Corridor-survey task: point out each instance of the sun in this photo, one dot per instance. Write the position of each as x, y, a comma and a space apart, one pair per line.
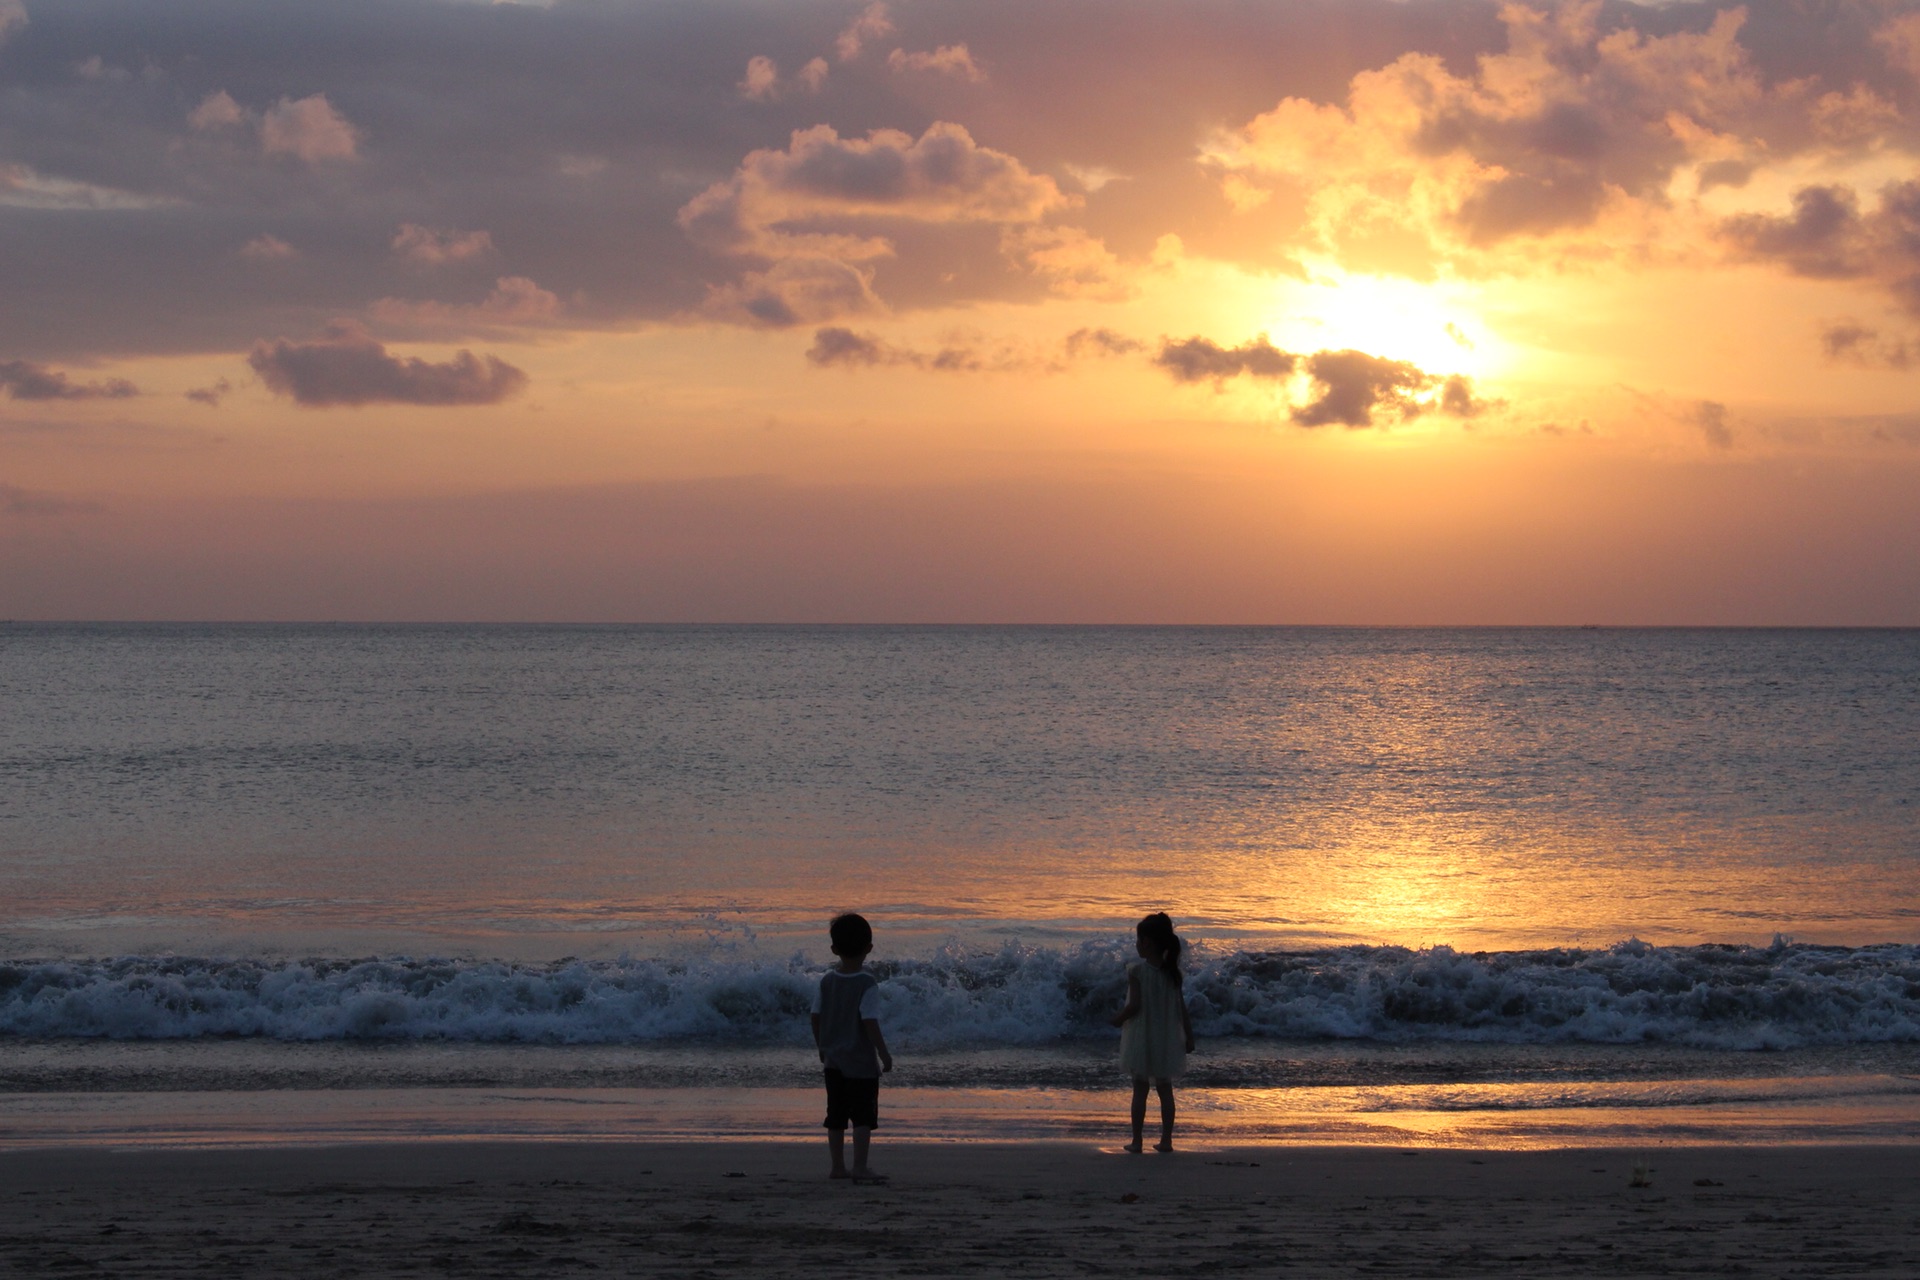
1433, 325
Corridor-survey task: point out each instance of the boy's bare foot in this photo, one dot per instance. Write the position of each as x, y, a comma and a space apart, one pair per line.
867, 1175
838, 1174
1133, 1147
1165, 1144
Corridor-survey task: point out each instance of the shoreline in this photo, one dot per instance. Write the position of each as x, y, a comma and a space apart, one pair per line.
1029, 1208
1879, 1111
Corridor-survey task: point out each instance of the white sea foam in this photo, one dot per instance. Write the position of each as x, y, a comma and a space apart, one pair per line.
1720, 997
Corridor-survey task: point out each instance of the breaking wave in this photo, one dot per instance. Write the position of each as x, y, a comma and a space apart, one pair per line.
1725, 997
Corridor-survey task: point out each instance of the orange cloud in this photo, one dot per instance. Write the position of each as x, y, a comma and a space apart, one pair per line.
310, 129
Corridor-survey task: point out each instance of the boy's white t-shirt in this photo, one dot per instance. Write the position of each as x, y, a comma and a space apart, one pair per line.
842, 1001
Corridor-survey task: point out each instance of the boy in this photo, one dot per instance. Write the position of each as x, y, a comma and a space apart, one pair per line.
851, 1047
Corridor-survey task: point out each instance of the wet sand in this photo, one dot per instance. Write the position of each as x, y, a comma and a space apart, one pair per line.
1039, 1209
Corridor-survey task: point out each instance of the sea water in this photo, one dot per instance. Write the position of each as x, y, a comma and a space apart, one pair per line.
1434, 855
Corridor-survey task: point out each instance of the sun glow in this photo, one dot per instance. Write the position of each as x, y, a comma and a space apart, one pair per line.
1435, 326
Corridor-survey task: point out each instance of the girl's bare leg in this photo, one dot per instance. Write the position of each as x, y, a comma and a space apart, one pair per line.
1165, 1089
1139, 1112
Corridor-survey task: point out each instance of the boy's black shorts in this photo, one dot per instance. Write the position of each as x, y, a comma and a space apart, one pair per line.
852, 1101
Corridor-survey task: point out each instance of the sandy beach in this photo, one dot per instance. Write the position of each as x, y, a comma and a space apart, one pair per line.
1039, 1209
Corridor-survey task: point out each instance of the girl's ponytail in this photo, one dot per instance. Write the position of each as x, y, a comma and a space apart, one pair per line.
1157, 931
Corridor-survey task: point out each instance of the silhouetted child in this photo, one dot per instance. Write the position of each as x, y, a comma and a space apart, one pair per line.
851, 1047
1155, 1033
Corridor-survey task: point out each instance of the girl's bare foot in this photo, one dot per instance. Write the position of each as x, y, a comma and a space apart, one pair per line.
1133, 1147
838, 1174
1165, 1144
867, 1175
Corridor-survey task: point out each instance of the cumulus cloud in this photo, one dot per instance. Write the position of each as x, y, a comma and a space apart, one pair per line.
268, 248
1820, 238
346, 366
309, 129
1345, 388
815, 210
1351, 386
434, 246
1457, 399
210, 395
1572, 127
1102, 342
514, 302
1073, 263
949, 60
25, 380
762, 81
1710, 416
1827, 236
844, 347
837, 347
585, 130
1850, 342
942, 176
217, 110
874, 23
1900, 40
1201, 359
793, 291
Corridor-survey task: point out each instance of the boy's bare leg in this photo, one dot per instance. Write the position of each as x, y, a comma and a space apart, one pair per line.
1165, 1089
1139, 1113
837, 1148
862, 1142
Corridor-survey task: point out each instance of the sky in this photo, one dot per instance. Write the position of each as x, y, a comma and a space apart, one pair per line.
1225, 311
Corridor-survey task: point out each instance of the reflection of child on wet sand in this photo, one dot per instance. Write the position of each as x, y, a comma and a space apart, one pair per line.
1155, 1033
851, 1047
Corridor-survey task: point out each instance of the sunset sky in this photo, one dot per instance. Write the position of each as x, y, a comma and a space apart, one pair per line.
1265, 311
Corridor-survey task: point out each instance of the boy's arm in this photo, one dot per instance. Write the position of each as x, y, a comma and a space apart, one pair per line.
872, 1027
1133, 1000
816, 1038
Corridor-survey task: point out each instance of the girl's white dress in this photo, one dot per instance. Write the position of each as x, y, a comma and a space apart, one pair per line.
1153, 1042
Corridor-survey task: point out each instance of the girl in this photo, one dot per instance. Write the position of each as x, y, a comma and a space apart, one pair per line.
1155, 1033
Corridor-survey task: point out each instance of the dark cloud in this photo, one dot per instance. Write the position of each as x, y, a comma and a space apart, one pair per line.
1821, 237
347, 367
1827, 236
1352, 385
834, 346
1200, 359
1102, 342
1348, 387
1850, 342
211, 395
1711, 417
843, 346
24, 380
1457, 399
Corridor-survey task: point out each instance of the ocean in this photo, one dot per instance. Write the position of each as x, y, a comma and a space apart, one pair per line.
1526, 883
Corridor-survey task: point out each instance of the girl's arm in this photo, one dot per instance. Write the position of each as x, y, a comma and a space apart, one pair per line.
1133, 1000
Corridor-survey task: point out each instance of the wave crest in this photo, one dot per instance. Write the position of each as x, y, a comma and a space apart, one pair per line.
1728, 997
